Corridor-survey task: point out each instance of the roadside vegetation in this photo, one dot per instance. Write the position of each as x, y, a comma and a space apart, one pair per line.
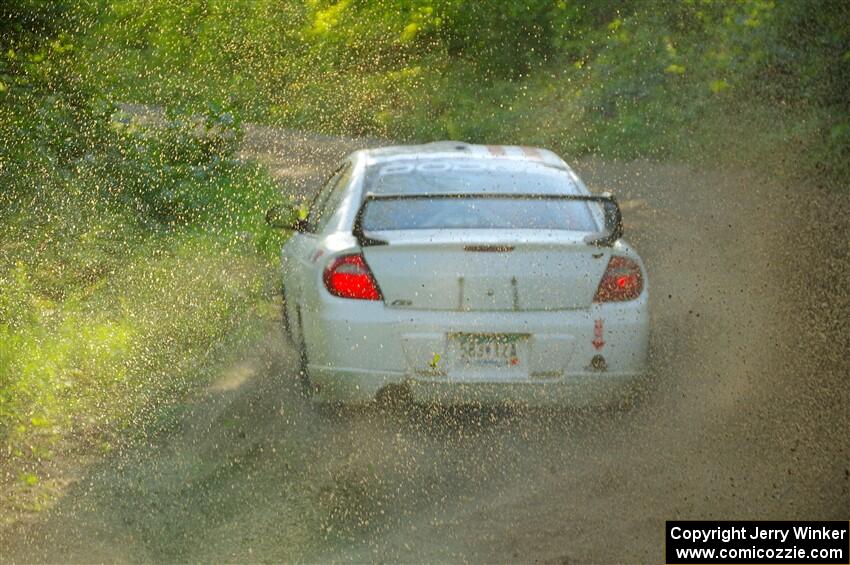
131, 255
762, 81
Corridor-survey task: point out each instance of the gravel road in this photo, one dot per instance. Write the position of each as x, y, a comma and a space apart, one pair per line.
745, 415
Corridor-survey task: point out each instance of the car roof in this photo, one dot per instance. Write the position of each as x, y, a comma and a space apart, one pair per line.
506, 154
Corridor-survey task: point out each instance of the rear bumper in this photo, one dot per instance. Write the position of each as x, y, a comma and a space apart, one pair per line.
358, 386
357, 348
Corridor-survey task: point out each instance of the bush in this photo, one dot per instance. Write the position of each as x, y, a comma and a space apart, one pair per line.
128, 251
624, 79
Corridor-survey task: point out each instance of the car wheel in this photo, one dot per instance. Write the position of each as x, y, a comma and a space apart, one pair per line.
307, 387
284, 317
298, 343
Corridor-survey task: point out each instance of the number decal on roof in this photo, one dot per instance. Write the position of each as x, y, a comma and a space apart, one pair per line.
455, 165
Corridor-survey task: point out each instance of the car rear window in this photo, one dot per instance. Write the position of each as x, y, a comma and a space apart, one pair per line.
478, 213
473, 176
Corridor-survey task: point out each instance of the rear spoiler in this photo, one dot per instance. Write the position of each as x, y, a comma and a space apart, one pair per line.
611, 210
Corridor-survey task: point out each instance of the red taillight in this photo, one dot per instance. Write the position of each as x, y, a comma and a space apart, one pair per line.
349, 277
623, 280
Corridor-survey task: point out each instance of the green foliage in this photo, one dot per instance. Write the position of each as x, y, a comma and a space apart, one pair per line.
623, 79
128, 250
91, 362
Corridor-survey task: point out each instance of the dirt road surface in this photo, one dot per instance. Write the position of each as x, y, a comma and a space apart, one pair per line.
745, 415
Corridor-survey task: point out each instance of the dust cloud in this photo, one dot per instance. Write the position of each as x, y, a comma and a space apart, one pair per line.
744, 414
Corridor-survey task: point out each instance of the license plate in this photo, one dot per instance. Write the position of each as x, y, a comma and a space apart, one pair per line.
503, 351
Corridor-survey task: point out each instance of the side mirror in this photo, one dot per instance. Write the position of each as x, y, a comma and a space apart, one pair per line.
285, 216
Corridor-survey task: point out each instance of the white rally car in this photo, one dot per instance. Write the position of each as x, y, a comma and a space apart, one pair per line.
457, 272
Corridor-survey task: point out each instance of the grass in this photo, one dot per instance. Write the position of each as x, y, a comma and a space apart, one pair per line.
112, 308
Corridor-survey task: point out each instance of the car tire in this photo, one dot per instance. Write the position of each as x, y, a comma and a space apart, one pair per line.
307, 387
284, 320
297, 342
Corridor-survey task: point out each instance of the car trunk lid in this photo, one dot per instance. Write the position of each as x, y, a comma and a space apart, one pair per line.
493, 271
